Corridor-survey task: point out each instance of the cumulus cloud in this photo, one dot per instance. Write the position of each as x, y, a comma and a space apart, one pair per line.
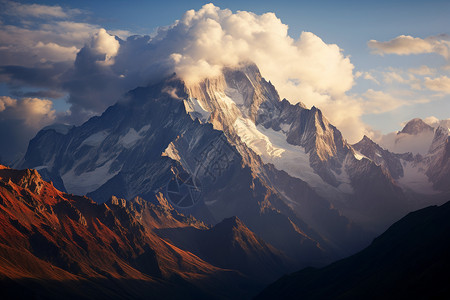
439, 84
406, 45
105, 45
211, 38
92, 83
20, 120
34, 112
435, 122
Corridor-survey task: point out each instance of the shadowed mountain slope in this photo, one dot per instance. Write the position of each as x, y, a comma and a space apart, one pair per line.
410, 260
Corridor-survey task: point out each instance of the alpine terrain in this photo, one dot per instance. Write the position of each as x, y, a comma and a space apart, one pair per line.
229, 147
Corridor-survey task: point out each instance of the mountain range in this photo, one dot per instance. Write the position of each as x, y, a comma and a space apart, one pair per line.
248, 154
54, 244
209, 184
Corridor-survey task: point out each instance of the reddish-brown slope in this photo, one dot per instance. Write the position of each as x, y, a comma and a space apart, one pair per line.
54, 237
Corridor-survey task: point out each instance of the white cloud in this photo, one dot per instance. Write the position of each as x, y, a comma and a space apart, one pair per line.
406, 45
36, 10
392, 76
202, 42
34, 112
439, 84
435, 122
104, 44
370, 77
422, 70
395, 76
432, 121
20, 120
56, 41
206, 40
377, 102
55, 52
6, 102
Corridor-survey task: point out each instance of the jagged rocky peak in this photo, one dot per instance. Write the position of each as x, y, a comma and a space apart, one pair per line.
31, 180
389, 161
118, 201
27, 179
367, 140
237, 91
416, 126
232, 222
365, 145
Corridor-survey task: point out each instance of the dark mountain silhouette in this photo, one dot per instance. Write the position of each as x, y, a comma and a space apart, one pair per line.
411, 260
231, 245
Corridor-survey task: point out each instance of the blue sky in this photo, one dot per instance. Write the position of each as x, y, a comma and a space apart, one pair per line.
392, 83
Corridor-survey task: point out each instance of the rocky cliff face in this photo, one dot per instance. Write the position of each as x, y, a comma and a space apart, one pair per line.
438, 159
390, 162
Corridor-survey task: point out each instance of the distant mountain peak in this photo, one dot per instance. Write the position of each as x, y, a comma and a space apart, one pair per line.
416, 126
367, 140
232, 222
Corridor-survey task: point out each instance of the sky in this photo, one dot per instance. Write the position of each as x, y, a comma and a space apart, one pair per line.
369, 65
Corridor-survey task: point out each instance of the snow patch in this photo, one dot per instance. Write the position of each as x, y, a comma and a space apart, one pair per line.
273, 148
359, 155
225, 99
195, 109
234, 94
40, 168
131, 137
96, 139
88, 181
344, 178
256, 140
